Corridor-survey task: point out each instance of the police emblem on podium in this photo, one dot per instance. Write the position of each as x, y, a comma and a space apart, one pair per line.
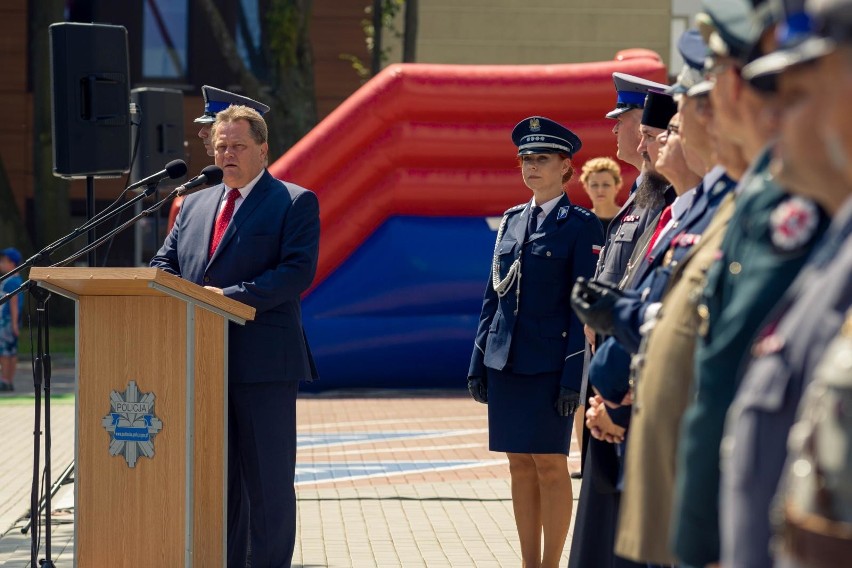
132, 424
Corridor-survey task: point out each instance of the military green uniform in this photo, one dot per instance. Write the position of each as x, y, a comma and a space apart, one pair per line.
768, 239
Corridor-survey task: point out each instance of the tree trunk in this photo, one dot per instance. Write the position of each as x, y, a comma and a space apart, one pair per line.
287, 52
409, 38
51, 203
13, 232
292, 61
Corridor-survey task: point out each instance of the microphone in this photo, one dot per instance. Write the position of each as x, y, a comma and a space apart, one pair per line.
211, 175
173, 170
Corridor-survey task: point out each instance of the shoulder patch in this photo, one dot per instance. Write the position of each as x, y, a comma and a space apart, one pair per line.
582, 213
515, 209
793, 224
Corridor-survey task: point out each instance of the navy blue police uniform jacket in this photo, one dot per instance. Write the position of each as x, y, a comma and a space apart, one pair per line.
536, 331
266, 259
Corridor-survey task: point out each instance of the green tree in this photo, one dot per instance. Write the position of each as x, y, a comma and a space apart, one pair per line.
285, 53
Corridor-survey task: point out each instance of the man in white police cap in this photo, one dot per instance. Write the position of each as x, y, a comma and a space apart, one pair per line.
594, 533
215, 101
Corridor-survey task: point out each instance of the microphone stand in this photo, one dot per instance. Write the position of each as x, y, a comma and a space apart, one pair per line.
42, 364
42, 257
144, 213
41, 376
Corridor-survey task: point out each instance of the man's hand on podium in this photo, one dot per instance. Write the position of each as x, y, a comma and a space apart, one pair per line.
213, 289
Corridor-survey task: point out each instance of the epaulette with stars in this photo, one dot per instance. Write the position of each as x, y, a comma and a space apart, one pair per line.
582, 213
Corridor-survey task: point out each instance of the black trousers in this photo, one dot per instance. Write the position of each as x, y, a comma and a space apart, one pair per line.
261, 472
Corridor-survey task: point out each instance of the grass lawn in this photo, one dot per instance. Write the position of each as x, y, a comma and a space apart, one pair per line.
19, 399
61, 340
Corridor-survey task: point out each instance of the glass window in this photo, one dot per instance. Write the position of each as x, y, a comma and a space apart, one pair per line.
164, 39
248, 36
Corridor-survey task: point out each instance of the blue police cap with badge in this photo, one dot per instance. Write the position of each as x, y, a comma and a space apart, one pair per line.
631, 91
540, 135
217, 100
800, 39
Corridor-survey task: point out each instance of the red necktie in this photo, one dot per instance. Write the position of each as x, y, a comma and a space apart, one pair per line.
664, 220
223, 219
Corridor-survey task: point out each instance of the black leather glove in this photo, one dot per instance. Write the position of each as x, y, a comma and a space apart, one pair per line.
478, 389
593, 303
567, 401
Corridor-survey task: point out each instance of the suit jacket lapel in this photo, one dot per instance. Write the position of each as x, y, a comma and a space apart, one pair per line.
721, 218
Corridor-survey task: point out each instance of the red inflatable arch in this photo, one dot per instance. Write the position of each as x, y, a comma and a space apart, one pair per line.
433, 140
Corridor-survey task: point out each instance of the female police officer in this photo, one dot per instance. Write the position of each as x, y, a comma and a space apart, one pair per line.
528, 358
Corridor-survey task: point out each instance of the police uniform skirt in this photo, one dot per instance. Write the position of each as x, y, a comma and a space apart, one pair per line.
522, 417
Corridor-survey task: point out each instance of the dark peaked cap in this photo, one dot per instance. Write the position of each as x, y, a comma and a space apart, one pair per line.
659, 109
540, 135
693, 50
217, 100
729, 28
631, 92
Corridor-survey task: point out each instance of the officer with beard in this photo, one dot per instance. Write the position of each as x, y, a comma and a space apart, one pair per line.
597, 511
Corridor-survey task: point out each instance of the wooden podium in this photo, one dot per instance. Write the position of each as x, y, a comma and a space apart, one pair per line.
151, 416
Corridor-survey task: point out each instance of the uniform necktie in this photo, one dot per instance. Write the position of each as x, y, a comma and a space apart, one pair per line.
223, 219
664, 220
532, 222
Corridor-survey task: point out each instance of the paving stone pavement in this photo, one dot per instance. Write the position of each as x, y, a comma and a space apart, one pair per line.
384, 479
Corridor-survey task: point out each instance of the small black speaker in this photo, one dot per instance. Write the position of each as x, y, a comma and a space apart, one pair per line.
91, 100
160, 130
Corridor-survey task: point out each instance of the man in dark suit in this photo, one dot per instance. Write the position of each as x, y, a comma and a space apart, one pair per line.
254, 239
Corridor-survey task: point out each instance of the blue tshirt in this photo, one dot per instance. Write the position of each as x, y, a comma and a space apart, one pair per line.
10, 284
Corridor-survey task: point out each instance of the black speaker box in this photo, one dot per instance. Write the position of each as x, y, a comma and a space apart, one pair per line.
91, 100
160, 130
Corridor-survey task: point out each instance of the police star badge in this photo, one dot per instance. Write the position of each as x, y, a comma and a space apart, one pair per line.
132, 424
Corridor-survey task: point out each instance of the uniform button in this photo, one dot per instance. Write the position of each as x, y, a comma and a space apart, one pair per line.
564, 334
735, 267
207, 279
548, 253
